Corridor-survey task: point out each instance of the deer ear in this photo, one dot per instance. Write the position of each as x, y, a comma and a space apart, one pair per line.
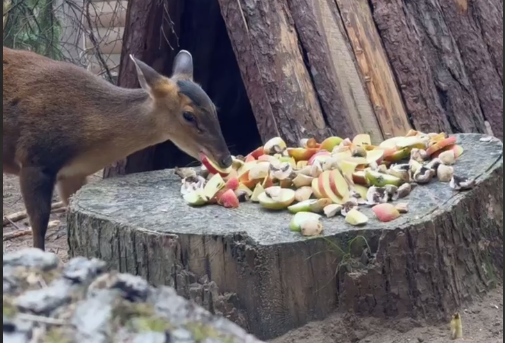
147, 76
183, 64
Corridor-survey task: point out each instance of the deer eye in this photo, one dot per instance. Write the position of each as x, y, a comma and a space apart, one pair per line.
189, 117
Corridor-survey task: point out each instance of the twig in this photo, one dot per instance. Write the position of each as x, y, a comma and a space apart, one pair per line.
41, 319
26, 232
56, 207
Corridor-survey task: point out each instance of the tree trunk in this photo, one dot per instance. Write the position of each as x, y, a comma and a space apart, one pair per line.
248, 266
443, 86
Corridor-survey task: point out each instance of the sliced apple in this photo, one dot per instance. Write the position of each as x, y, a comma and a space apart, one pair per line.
348, 168
214, 168
257, 152
326, 189
303, 220
249, 158
311, 143
330, 143
391, 142
362, 140
310, 205
215, 183
458, 150
257, 191
267, 182
228, 199
381, 180
375, 156
302, 180
441, 144
356, 218
301, 154
385, 212
303, 193
242, 187
338, 184
232, 183
259, 171
196, 198
282, 200
321, 156
267, 158
315, 189
301, 164
397, 155
361, 190
245, 168
332, 210
359, 178
411, 142
287, 159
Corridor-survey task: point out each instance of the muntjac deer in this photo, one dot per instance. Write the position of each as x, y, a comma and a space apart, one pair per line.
61, 124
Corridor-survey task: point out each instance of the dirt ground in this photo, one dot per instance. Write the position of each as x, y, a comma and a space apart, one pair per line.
482, 322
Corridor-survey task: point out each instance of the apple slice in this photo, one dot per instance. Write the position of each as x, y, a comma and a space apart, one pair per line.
315, 189
362, 140
375, 156
259, 171
308, 223
228, 199
257, 191
282, 200
348, 168
321, 156
214, 168
391, 142
249, 158
215, 183
330, 143
338, 184
245, 168
359, 178
458, 150
441, 144
411, 142
232, 184
355, 217
310, 205
361, 190
325, 186
301, 154
196, 198
385, 212
381, 180
301, 164
397, 155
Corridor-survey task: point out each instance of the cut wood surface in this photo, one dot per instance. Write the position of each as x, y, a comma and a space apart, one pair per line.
340, 89
430, 69
267, 43
374, 65
248, 266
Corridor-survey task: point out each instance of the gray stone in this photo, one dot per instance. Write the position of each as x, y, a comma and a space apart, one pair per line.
31, 258
80, 269
45, 300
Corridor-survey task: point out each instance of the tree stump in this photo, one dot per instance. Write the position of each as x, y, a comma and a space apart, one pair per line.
247, 265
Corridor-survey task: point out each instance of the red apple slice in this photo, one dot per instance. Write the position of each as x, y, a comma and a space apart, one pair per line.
325, 187
301, 154
458, 150
362, 139
338, 184
214, 168
321, 156
359, 178
441, 144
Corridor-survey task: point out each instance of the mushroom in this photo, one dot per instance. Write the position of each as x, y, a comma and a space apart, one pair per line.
423, 175
445, 173
348, 206
459, 183
400, 171
376, 195
281, 172
403, 191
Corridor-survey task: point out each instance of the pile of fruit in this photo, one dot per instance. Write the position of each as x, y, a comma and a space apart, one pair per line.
334, 177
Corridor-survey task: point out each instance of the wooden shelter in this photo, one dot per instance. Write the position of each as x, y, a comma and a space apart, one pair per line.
299, 68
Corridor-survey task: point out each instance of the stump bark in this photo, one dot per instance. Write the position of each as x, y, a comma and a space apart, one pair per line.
247, 265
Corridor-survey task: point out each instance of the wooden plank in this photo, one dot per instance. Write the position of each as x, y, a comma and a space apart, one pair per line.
276, 56
425, 58
336, 78
374, 67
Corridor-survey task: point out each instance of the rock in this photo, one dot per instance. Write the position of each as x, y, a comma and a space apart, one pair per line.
31, 258
83, 304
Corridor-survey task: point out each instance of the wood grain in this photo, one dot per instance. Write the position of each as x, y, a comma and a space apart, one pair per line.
374, 67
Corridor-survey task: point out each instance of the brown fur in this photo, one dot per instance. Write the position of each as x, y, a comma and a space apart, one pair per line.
62, 123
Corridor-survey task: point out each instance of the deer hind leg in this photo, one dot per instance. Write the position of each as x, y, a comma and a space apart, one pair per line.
37, 185
68, 185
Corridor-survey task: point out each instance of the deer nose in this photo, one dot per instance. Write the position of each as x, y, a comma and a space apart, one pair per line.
226, 161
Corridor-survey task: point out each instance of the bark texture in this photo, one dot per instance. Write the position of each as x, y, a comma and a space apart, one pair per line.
248, 266
447, 58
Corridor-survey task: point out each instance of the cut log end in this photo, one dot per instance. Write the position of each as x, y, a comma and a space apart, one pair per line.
246, 264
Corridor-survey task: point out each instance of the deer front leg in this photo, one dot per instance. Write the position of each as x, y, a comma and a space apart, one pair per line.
37, 185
